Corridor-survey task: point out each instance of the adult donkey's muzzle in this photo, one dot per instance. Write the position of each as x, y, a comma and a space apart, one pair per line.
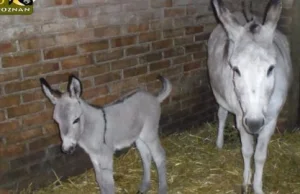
69, 150
254, 125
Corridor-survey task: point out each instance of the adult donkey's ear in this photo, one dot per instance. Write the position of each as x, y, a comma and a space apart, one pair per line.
228, 20
74, 86
53, 95
272, 15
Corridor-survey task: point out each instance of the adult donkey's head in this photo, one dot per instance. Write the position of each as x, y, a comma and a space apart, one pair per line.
67, 111
250, 52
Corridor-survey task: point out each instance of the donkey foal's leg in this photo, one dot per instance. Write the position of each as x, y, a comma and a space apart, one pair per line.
159, 157
146, 159
261, 155
104, 174
222, 116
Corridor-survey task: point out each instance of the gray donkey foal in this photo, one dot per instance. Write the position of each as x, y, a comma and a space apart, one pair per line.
100, 131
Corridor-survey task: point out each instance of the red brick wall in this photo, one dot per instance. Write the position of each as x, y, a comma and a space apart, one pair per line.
113, 46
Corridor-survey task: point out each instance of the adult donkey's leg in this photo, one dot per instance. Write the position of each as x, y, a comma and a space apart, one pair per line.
261, 154
247, 151
222, 116
103, 166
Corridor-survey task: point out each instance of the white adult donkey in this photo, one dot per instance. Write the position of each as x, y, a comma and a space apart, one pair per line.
250, 73
102, 130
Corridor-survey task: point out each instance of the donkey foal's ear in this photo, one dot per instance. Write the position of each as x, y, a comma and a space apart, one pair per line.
48, 91
74, 86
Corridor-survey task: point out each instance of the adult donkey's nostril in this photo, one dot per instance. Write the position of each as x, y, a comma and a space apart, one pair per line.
70, 150
254, 125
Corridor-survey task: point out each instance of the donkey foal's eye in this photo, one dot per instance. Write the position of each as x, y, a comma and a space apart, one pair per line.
76, 120
270, 70
236, 70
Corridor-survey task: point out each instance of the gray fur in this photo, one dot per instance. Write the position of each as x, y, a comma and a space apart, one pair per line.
240, 60
100, 131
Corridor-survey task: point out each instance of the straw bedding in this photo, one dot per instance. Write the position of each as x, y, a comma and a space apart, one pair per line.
194, 165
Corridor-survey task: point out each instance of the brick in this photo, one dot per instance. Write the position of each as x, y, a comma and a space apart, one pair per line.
166, 23
24, 135
37, 119
194, 48
174, 12
9, 126
183, 21
161, 3
59, 52
77, 12
173, 33
182, 59
183, 40
162, 44
60, 77
2, 116
74, 37
149, 36
32, 96
134, 28
7, 47
124, 86
148, 77
21, 59
25, 109
172, 71
109, 55
202, 37
135, 71
12, 150
63, 2
136, 6
108, 31
76, 62
199, 55
40, 15
59, 26
123, 41
193, 30
192, 66
27, 159
135, 50
37, 43
93, 46
40, 69
150, 57
106, 9
10, 75
4, 167
21, 85
159, 65
51, 129
173, 52
94, 92
42, 143
87, 83
8, 101
121, 64
108, 77
95, 70
105, 99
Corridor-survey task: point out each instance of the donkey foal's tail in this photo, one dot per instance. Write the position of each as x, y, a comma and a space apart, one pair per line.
166, 90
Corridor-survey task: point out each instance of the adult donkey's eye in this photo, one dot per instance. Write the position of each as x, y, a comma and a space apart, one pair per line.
76, 120
236, 70
270, 70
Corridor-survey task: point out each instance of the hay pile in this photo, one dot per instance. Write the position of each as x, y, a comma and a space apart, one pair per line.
195, 166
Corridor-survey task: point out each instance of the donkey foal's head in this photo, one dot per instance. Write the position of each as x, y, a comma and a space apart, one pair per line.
67, 112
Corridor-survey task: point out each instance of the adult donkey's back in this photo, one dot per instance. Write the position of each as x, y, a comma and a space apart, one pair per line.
250, 73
